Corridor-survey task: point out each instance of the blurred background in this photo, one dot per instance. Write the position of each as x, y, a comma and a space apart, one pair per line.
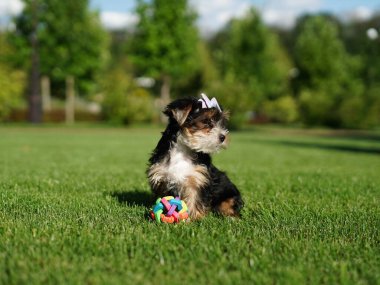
297, 62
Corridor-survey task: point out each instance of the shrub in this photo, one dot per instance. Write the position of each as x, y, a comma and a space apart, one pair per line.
372, 115
132, 106
139, 107
316, 108
123, 102
281, 110
12, 86
351, 112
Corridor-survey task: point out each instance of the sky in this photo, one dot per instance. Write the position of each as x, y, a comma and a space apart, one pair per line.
214, 14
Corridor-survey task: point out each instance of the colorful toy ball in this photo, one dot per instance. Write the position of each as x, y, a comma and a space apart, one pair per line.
169, 210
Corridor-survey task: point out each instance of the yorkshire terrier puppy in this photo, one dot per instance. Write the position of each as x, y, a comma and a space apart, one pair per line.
181, 165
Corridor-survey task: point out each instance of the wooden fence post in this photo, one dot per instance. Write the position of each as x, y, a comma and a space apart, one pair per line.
46, 96
70, 100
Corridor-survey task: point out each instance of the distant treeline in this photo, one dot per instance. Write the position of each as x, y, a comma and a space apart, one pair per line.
322, 72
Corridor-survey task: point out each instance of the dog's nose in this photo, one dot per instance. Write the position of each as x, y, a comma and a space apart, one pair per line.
222, 138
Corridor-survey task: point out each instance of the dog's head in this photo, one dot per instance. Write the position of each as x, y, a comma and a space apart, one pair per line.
202, 129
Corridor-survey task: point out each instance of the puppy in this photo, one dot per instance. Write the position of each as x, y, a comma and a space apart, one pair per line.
181, 164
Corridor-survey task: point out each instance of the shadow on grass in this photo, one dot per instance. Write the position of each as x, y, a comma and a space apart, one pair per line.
337, 147
356, 136
133, 198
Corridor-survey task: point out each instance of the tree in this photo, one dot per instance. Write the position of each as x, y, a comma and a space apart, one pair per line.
252, 64
165, 42
27, 42
362, 40
64, 38
327, 73
359, 41
73, 43
252, 55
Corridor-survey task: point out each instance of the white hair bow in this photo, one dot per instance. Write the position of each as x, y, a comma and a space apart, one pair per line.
207, 103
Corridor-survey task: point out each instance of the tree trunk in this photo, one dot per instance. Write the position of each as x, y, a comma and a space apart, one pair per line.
70, 100
34, 96
165, 94
46, 96
165, 89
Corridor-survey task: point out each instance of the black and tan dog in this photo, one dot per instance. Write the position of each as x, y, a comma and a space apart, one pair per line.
181, 165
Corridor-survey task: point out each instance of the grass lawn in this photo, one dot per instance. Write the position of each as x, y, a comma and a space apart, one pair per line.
73, 210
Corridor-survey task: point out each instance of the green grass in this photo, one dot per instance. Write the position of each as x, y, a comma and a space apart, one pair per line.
73, 210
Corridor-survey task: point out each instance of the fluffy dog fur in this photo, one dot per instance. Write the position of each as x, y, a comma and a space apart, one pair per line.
181, 165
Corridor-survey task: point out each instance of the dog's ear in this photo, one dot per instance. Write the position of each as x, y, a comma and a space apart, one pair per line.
179, 110
226, 115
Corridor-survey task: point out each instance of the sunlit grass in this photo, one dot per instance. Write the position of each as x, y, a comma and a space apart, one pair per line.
74, 203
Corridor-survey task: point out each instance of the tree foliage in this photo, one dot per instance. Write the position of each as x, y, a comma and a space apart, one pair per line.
324, 71
327, 73
12, 81
71, 40
165, 42
252, 65
362, 45
251, 54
